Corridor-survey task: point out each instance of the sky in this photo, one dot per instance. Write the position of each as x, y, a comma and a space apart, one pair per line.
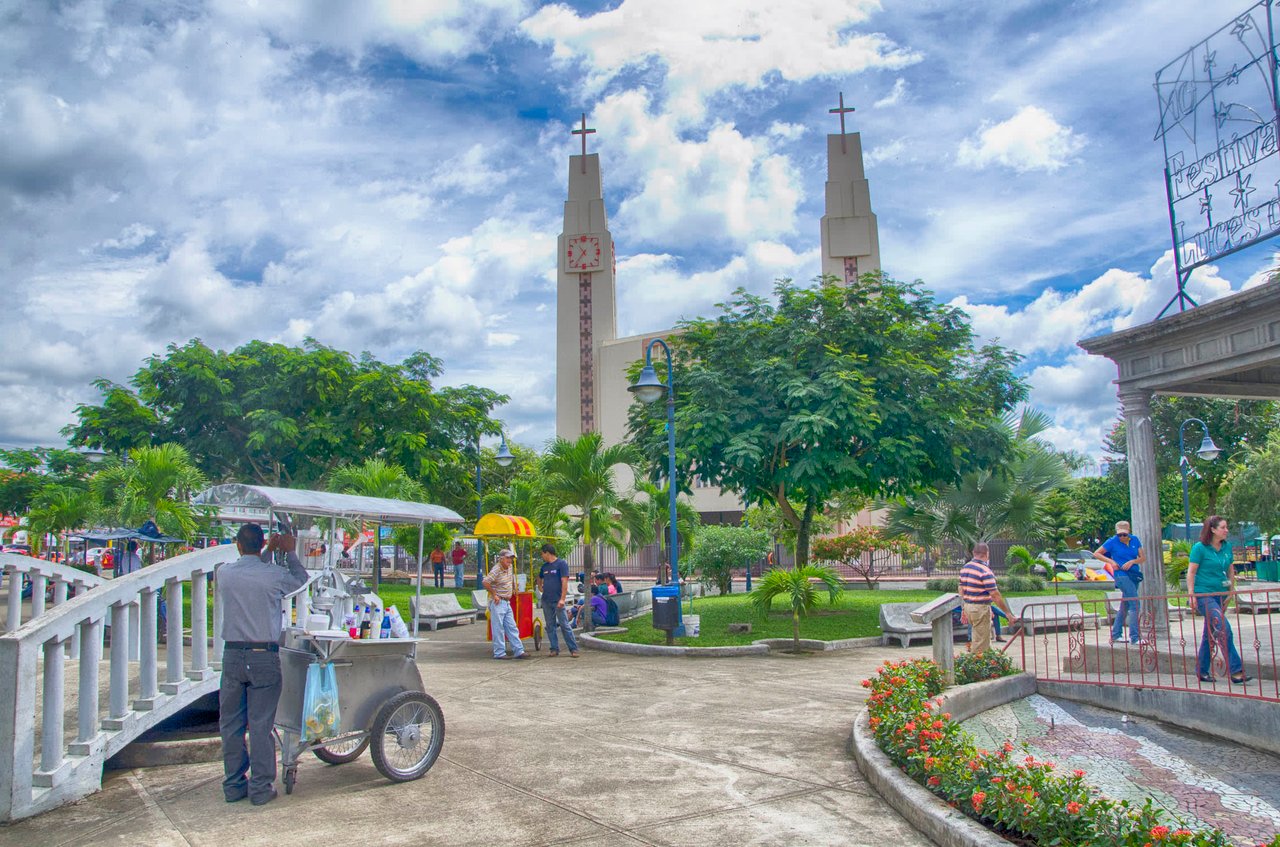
388, 175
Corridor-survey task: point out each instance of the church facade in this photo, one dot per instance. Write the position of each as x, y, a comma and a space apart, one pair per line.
591, 360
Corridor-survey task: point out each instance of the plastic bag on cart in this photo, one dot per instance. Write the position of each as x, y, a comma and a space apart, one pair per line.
399, 629
320, 715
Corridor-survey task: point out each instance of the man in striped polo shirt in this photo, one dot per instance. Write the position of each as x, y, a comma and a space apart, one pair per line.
977, 594
500, 583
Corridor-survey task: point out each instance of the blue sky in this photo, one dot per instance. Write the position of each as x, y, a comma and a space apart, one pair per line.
389, 176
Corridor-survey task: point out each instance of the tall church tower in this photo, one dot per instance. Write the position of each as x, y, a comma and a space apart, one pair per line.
850, 239
586, 314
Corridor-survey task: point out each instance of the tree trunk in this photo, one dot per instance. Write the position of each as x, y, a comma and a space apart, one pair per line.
802, 535
795, 630
588, 568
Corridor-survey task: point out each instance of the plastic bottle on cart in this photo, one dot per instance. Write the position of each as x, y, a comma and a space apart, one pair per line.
385, 630
365, 623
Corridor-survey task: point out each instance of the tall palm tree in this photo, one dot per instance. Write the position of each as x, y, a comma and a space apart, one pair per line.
797, 586
61, 509
156, 483
376, 478
687, 518
578, 479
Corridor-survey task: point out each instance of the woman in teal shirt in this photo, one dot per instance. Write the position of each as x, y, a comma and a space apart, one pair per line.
1210, 576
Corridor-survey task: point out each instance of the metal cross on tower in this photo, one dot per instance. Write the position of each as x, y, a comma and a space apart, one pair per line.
584, 132
841, 111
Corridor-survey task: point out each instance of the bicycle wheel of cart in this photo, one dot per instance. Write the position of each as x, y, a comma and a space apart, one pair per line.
407, 735
341, 752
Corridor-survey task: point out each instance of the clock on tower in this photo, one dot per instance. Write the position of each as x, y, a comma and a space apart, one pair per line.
582, 253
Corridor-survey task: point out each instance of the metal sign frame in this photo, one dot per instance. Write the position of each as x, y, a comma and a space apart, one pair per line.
1219, 115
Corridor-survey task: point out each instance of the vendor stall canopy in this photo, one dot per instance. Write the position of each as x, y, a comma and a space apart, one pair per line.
504, 526
296, 501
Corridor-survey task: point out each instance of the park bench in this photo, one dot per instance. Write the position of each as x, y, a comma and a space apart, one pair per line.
436, 609
1262, 599
1045, 613
896, 622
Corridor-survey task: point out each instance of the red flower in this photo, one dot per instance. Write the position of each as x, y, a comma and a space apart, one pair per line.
1159, 833
934, 781
1073, 807
978, 798
1078, 774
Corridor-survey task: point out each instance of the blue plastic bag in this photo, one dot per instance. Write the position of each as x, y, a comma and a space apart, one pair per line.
321, 717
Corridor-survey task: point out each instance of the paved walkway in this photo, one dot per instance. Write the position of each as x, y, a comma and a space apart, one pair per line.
1205, 781
601, 750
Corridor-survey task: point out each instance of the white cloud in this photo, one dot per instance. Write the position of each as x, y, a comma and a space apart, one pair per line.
895, 95
885, 152
1031, 140
705, 48
501, 339
786, 131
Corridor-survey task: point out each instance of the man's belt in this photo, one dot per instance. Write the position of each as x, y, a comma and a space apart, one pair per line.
269, 646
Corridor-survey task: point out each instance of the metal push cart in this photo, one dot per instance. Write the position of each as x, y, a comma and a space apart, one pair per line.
381, 699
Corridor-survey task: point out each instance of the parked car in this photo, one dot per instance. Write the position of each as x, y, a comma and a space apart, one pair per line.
93, 556
20, 549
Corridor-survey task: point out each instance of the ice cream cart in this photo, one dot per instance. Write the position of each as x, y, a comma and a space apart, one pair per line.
524, 539
381, 701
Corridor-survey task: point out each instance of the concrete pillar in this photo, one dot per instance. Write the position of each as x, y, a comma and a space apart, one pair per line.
1144, 500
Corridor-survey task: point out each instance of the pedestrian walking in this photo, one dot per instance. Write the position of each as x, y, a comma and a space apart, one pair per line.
978, 593
1124, 556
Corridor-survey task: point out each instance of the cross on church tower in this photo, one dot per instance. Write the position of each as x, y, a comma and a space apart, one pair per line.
841, 111
584, 132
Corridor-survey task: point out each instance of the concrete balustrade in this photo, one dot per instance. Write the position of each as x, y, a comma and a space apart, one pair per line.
36, 665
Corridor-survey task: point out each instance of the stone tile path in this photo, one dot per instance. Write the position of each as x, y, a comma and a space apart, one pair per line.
1201, 780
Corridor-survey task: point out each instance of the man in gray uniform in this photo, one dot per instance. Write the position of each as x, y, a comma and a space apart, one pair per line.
250, 591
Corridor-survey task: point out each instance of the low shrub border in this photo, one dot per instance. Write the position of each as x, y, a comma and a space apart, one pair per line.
1015, 795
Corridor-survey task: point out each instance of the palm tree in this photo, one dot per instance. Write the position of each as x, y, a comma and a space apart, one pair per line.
156, 483
578, 479
376, 478
687, 518
61, 509
798, 587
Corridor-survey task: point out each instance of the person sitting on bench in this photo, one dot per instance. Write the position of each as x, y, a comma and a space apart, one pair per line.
598, 609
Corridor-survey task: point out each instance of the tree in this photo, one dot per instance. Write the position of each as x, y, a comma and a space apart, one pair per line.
156, 484
376, 478
1001, 501
688, 521
26, 473
873, 389
856, 550
1233, 425
797, 586
59, 510
1058, 520
721, 550
1101, 501
1253, 486
280, 415
579, 484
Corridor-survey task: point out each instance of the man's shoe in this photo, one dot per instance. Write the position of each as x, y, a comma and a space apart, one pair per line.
265, 799
553, 653
999, 639
236, 798
573, 654
524, 656
501, 658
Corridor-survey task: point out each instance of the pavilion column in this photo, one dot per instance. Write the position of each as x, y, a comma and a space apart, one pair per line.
1144, 499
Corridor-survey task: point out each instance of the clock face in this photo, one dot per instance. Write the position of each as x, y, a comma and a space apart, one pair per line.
582, 253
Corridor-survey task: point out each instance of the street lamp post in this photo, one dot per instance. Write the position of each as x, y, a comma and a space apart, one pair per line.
503, 458
648, 389
1207, 451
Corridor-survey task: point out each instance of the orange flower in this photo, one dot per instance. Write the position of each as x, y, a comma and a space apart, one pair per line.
1073, 807
978, 798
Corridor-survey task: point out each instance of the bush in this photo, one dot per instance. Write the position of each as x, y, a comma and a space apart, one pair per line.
943, 586
1019, 561
1011, 794
1008, 584
976, 667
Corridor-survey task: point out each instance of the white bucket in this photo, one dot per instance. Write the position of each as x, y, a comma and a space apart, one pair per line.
522, 579
692, 625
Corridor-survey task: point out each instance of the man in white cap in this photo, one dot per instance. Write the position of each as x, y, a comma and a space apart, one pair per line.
500, 583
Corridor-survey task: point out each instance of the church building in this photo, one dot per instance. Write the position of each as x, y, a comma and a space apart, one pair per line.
591, 360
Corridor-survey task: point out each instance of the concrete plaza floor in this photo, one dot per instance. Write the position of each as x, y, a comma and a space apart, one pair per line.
602, 750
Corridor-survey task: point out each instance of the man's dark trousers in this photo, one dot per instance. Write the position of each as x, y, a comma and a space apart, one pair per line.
247, 700
437, 574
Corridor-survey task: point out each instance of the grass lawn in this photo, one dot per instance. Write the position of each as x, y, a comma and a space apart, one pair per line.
856, 614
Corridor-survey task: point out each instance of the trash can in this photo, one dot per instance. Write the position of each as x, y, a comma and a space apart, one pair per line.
666, 608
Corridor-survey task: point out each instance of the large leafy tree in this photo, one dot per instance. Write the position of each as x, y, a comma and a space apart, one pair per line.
60, 509
1233, 425
1005, 500
281, 415
579, 484
874, 389
1254, 486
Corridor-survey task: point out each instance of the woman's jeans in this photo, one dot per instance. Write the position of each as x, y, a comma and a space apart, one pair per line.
1128, 608
1215, 621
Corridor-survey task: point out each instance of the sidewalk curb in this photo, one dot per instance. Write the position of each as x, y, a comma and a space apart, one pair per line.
756, 648
923, 809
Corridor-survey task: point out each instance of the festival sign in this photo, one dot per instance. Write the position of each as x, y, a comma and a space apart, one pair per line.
1218, 116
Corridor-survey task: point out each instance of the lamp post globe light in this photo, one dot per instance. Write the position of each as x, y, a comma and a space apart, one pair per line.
1207, 451
648, 389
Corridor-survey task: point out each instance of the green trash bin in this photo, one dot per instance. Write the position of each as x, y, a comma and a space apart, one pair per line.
1269, 571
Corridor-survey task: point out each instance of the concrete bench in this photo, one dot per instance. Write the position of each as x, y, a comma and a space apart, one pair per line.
1258, 597
896, 622
436, 609
1046, 613
1175, 612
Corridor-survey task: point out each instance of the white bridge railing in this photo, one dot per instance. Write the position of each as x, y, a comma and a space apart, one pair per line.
51, 753
39, 575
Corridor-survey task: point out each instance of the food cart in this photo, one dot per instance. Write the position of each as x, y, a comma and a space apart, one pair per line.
524, 539
383, 704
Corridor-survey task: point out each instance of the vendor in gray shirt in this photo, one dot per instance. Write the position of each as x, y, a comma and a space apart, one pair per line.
250, 592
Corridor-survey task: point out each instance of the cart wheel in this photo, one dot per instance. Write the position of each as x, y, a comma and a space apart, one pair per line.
290, 777
407, 735
341, 752
537, 635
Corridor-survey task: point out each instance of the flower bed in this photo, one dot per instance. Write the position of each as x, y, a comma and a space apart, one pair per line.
976, 667
1018, 796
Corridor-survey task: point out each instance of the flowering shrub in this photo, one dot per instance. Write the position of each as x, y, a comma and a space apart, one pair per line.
1007, 790
976, 667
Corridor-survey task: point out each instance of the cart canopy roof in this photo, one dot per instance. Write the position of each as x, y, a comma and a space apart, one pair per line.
325, 504
502, 526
